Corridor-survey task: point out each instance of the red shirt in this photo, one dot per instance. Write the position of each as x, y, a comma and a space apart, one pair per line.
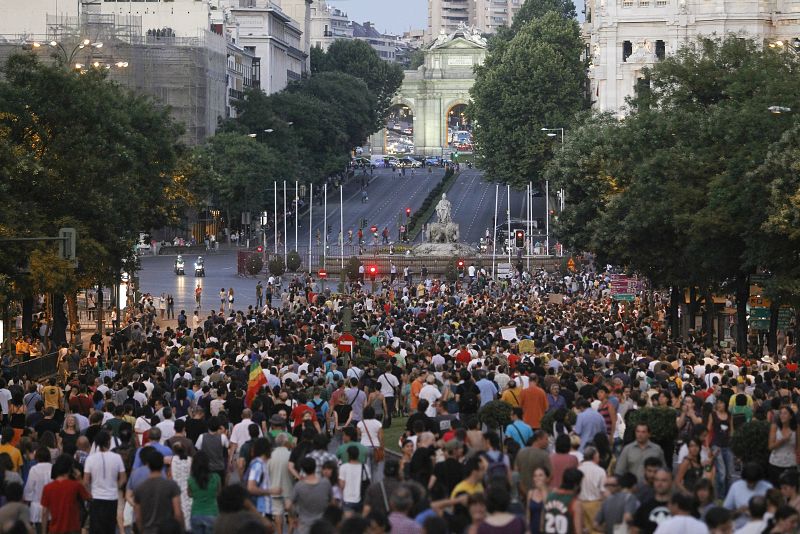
81, 404
297, 414
513, 360
464, 356
60, 497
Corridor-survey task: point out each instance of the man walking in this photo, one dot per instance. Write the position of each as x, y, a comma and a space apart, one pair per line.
632, 458
533, 402
157, 500
198, 295
259, 295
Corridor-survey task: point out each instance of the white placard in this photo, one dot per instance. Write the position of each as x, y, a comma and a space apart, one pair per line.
509, 333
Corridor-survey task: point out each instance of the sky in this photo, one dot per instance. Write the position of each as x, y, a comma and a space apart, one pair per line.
390, 16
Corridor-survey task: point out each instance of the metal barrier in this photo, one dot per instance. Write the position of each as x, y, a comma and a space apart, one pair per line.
35, 368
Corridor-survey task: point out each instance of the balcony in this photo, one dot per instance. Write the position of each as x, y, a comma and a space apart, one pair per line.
235, 94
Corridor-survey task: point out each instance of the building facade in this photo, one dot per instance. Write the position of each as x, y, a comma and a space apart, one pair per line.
625, 36
328, 24
486, 15
433, 90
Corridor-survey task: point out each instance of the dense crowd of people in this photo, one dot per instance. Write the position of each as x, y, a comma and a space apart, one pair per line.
251, 419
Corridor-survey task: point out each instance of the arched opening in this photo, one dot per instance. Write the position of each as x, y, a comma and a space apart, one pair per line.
459, 129
399, 130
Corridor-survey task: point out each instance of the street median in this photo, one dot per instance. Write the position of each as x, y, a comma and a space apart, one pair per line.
425, 211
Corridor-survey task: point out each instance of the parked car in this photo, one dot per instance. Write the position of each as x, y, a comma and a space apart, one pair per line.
433, 160
408, 161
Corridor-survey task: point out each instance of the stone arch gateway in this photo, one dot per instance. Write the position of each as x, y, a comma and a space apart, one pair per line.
439, 85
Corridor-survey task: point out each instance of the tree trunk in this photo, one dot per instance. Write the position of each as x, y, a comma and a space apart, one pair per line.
59, 335
692, 308
742, 296
674, 302
710, 312
772, 335
27, 316
74, 320
100, 307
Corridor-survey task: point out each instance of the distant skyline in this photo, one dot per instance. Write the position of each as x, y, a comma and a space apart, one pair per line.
388, 16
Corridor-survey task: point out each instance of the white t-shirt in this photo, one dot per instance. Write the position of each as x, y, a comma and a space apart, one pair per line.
388, 381
5, 396
374, 426
104, 467
167, 428
682, 524
240, 433
351, 475
431, 394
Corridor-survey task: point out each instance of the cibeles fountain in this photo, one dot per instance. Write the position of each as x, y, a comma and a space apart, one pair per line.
442, 236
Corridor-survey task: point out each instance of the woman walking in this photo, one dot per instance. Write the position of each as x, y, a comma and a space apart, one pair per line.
720, 428
783, 444
203, 488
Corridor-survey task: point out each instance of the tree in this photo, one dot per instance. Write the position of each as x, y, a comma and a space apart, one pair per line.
357, 58
534, 9
416, 59
536, 80
686, 165
90, 154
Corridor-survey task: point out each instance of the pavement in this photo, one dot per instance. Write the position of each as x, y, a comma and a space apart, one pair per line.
390, 194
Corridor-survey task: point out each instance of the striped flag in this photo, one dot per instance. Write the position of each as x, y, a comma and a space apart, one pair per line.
255, 380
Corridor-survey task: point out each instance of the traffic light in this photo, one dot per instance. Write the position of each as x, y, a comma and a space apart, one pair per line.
259, 249
372, 270
408, 212
519, 238
460, 265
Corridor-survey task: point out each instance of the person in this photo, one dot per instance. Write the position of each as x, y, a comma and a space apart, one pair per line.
38, 477
259, 295
741, 491
533, 402
588, 423
720, 428
536, 498
499, 519
783, 444
681, 521
198, 295
757, 508
157, 500
655, 510
60, 515
517, 429
371, 432
620, 504
203, 487
531, 457
562, 511
593, 489
105, 474
784, 521
257, 478
561, 460
15, 513
400, 502
351, 474
692, 468
310, 497
633, 455
475, 469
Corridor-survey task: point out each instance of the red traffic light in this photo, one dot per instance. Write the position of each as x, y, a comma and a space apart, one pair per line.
460, 264
373, 228
373, 270
259, 249
520, 234
408, 212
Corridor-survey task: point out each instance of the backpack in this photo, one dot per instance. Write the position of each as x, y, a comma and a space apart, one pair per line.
259, 480
497, 468
469, 401
318, 410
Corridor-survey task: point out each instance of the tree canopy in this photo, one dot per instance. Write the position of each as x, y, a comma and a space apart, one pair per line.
536, 79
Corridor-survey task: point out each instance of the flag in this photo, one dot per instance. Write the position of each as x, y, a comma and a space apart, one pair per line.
255, 380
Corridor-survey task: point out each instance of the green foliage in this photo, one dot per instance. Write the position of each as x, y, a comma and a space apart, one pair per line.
534, 9
660, 420
276, 266
495, 414
293, 261
451, 273
549, 419
535, 80
253, 264
700, 163
750, 442
357, 58
78, 150
417, 59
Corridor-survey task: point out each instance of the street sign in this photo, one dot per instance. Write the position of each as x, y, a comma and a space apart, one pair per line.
757, 301
346, 342
322, 273
760, 313
759, 324
785, 314
624, 287
628, 297
571, 265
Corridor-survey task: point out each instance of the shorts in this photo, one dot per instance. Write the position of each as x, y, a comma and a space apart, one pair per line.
278, 509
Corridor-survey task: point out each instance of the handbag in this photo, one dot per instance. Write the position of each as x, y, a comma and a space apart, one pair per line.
365, 483
377, 452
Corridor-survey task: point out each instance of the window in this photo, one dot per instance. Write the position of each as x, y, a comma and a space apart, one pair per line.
627, 3
627, 50
661, 49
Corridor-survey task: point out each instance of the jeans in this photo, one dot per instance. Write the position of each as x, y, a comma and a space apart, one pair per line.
723, 462
387, 417
202, 524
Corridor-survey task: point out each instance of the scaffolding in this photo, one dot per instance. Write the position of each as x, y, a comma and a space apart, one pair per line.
187, 75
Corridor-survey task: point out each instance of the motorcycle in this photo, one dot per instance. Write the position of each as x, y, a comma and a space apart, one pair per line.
199, 267
179, 268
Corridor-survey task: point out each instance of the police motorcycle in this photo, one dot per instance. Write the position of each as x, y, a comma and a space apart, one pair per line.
179, 267
199, 267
